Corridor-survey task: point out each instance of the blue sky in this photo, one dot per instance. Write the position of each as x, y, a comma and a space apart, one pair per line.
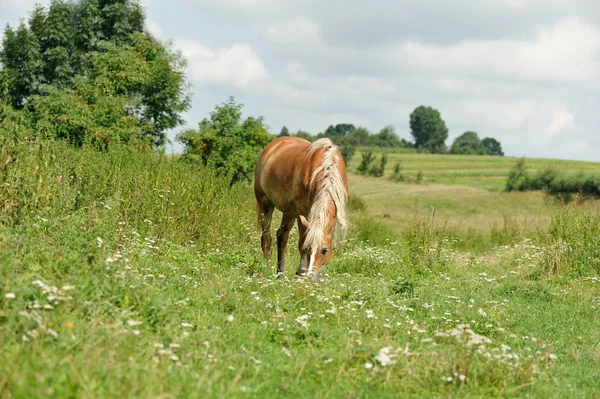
526, 72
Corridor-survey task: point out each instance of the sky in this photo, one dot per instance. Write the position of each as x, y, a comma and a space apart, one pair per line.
526, 72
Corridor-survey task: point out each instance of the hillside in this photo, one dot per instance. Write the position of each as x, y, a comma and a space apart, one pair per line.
489, 172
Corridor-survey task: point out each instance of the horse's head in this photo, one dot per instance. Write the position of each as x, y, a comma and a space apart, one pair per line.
318, 249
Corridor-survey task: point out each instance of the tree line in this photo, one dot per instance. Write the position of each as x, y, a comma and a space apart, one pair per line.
427, 128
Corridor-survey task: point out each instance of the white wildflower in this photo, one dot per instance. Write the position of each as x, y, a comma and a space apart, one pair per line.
10, 295
303, 320
384, 357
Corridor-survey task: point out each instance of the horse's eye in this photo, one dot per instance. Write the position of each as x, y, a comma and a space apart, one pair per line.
324, 251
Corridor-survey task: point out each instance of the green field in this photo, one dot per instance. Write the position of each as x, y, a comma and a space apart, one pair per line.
136, 276
489, 172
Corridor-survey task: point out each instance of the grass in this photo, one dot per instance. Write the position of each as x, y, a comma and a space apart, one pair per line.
488, 172
108, 296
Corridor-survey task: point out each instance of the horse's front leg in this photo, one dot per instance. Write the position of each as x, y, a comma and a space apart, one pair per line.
283, 234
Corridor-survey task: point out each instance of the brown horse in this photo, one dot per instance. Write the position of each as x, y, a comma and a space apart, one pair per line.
301, 179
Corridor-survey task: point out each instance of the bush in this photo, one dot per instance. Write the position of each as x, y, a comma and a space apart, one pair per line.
553, 182
516, 176
365, 162
226, 143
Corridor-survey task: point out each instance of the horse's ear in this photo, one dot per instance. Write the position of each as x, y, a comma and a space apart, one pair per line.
304, 222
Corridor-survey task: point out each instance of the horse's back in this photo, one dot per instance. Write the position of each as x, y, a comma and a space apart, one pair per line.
276, 170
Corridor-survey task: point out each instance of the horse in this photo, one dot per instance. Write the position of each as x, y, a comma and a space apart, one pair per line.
307, 182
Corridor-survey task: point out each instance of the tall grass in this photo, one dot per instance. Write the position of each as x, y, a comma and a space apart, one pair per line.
573, 244
157, 196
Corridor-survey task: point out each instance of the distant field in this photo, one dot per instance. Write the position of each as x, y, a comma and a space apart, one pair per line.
486, 172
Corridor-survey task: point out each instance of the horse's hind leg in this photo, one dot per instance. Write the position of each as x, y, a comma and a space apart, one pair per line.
265, 213
287, 222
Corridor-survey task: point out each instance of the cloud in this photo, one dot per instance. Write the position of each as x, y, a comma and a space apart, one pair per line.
560, 119
237, 66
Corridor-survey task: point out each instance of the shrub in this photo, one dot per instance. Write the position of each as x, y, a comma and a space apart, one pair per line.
365, 163
226, 143
516, 176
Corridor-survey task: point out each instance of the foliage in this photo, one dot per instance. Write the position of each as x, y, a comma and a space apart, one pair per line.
379, 170
347, 151
337, 131
284, 132
397, 175
367, 159
358, 136
104, 44
492, 146
420, 177
428, 129
467, 143
305, 135
516, 176
227, 143
386, 137
86, 115
553, 182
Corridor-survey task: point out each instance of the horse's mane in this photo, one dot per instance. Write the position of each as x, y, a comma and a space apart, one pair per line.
331, 189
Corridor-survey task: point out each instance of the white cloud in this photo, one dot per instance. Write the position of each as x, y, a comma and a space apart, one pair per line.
560, 119
237, 66
567, 51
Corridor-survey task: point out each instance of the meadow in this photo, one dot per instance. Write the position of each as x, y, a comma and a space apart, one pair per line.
488, 172
135, 275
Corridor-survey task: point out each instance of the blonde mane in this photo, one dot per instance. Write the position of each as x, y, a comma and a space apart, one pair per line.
331, 189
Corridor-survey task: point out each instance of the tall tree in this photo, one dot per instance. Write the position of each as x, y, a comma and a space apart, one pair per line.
65, 40
492, 146
428, 129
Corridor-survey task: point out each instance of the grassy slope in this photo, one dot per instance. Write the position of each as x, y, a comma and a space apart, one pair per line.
134, 315
480, 171
457, 206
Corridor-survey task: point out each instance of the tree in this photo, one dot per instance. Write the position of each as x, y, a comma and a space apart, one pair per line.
284, 132
386, 137
428, 129
358, 136
467, 143
305, 135
101, 41
492, 146
227, 143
